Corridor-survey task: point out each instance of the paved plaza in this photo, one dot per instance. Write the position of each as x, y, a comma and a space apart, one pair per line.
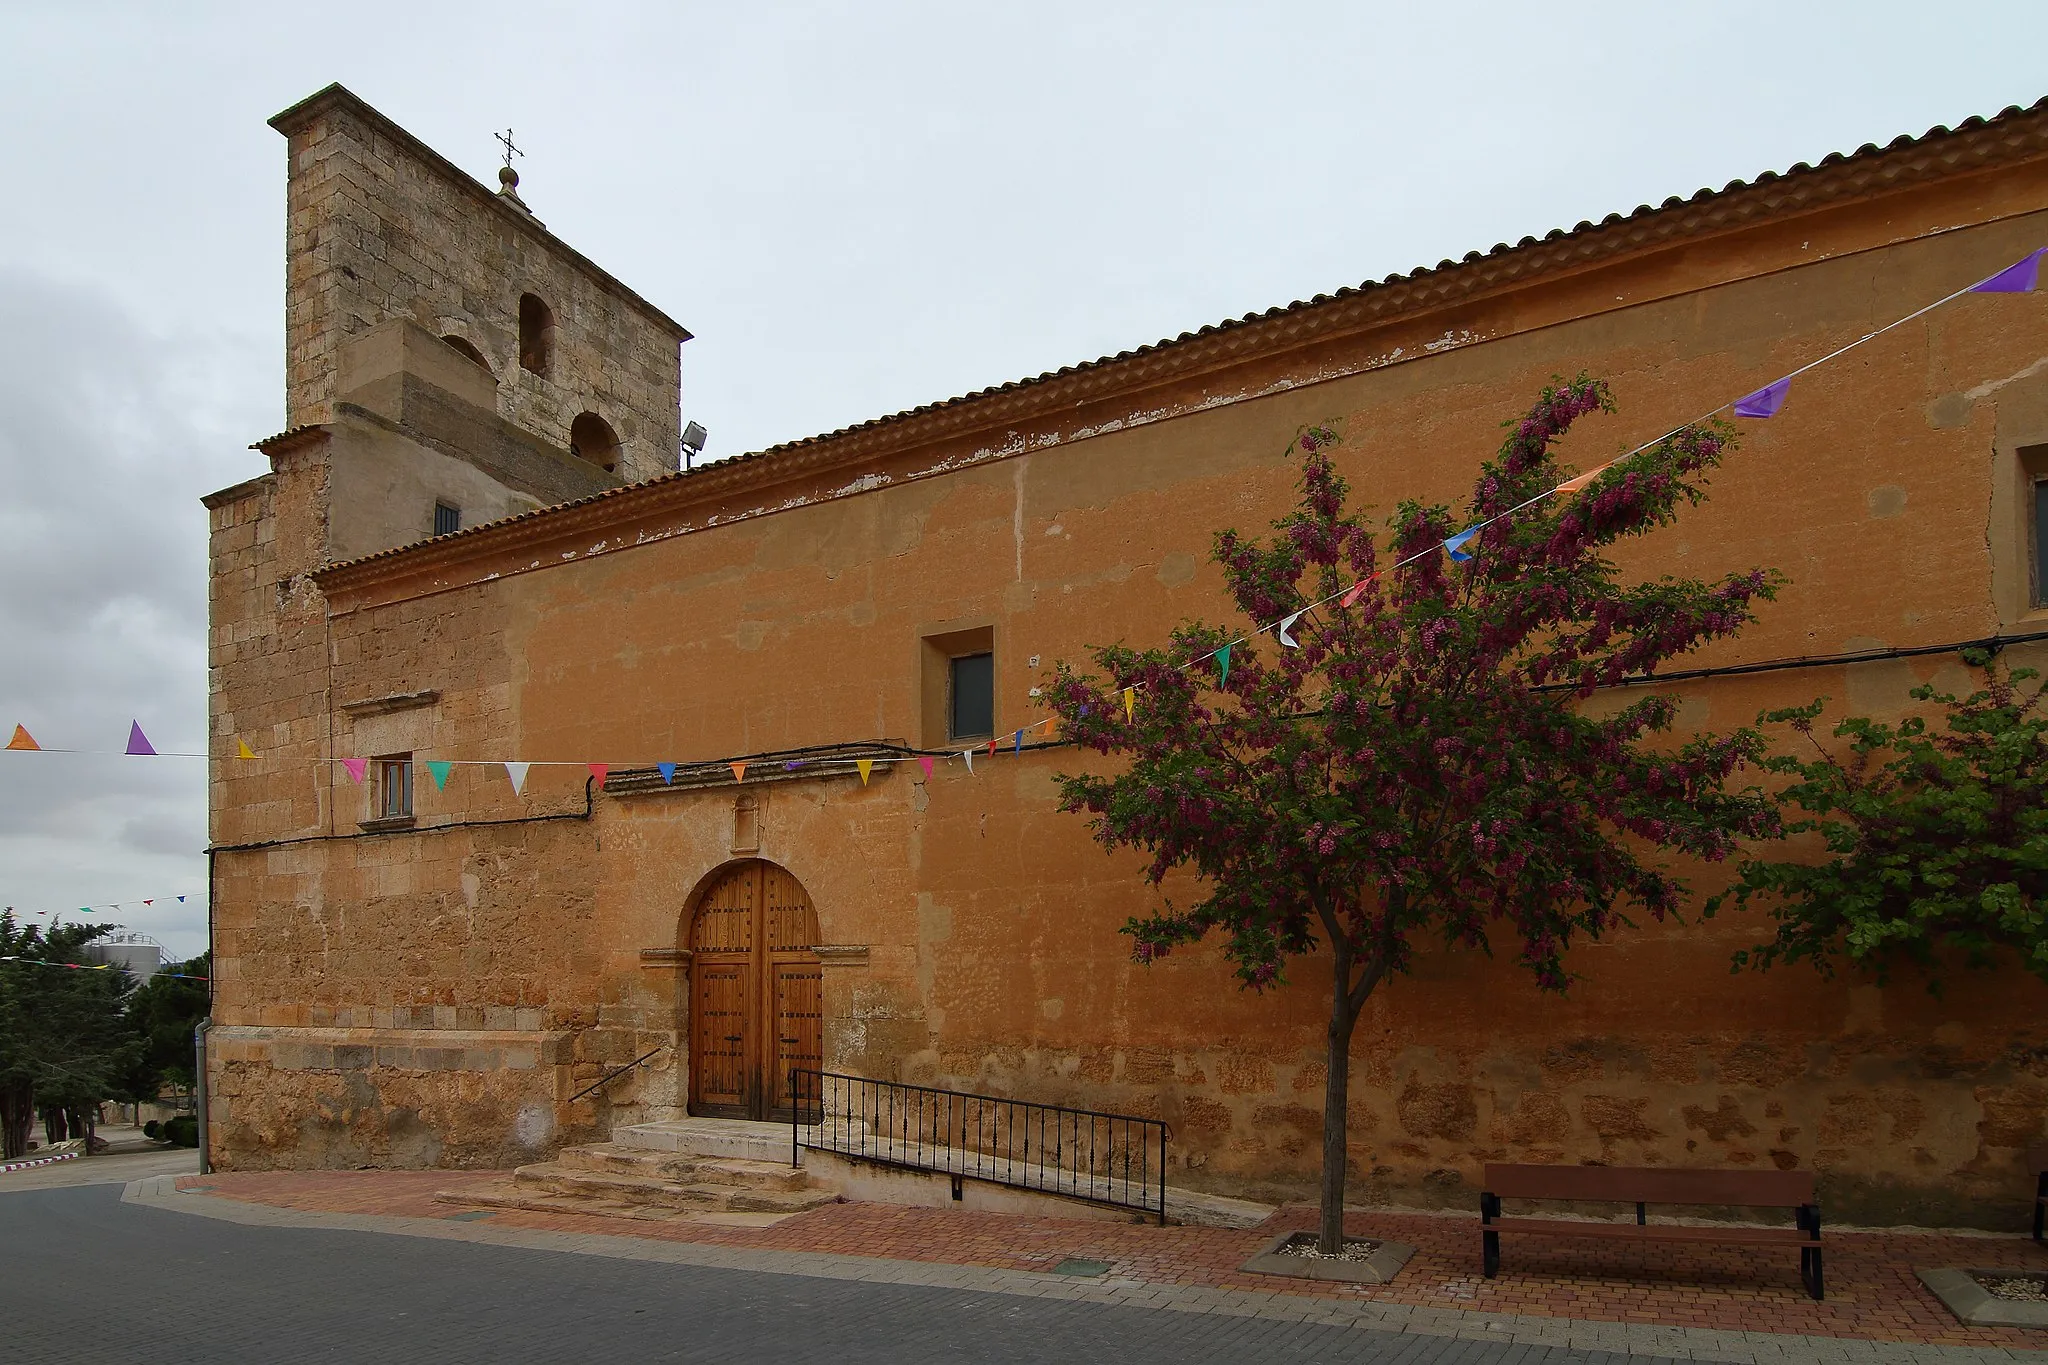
371, 1266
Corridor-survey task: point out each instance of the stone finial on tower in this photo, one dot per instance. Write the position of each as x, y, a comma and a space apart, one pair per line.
508, 179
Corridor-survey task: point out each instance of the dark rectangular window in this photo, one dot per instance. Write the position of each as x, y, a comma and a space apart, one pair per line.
2041, 542
971, 701
394, 787
447, 520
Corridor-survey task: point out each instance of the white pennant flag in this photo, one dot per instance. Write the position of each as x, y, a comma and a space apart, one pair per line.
1288, 625
968, 754
517, 772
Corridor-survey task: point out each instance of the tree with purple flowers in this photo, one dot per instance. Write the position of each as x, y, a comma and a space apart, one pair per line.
1418, 766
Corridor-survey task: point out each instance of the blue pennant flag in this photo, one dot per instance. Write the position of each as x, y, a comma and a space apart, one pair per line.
1456, 544
668, 771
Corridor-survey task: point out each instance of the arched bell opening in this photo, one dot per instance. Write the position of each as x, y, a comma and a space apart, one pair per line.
756, 1008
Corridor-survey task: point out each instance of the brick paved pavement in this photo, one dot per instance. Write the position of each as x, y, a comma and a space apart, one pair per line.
1710, 1306
123, 1280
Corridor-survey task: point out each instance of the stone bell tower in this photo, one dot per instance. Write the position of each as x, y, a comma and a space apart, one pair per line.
462, 362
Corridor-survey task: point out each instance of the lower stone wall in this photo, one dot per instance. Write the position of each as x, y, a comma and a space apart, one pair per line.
341, 1098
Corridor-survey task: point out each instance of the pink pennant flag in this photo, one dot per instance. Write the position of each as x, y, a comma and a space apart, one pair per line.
517, 772
739, 771
356, 768
138, 743
1356, 590
924, 761
598, 771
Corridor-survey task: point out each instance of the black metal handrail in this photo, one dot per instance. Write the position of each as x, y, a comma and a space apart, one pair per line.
1115, 1159
602, 1081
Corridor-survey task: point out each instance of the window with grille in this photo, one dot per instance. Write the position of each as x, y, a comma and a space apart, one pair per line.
447, 520
394, 787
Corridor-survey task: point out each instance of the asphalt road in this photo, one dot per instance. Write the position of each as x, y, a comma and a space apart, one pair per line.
88, 1279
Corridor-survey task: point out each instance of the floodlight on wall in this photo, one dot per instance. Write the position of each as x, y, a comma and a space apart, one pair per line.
694, 437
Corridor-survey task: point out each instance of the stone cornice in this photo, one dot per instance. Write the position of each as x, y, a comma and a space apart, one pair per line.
621, 518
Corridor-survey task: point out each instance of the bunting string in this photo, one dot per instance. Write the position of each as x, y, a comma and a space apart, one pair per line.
2022, 276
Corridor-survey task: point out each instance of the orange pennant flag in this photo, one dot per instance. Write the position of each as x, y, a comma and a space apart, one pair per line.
739, 771
23, 740
242, 749
866, 766
1574, 485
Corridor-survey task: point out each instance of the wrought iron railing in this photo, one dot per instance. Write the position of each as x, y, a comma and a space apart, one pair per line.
1115, 1159
602, 1081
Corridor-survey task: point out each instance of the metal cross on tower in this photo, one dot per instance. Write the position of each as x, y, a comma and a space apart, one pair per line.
510, 150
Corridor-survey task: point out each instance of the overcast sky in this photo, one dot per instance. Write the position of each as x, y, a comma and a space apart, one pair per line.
856, 207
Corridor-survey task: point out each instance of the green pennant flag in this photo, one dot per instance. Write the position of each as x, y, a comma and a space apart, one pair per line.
1223, 657
440, 771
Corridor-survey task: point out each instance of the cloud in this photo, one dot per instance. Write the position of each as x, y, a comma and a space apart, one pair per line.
112, 431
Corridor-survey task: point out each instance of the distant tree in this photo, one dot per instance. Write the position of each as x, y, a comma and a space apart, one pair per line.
64, 1039
1420, 766
164, 1011
1938, 838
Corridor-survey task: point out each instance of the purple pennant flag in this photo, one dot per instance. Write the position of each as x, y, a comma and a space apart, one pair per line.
2017, 278
1766, 401
138, 743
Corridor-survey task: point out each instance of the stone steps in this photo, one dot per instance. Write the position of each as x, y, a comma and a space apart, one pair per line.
623, 1180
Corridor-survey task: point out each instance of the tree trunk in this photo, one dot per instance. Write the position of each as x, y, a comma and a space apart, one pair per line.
17, 1114
1336, 1110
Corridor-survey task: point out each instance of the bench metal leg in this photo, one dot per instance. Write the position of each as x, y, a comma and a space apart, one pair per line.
1808, 1219
1489, 1240
2040, 1203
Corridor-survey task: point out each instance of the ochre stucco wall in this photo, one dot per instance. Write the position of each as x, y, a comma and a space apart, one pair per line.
478, 976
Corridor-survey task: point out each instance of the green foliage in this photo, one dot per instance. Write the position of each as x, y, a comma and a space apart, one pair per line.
181, 1130
64, 1039
164, 1012
1938, 837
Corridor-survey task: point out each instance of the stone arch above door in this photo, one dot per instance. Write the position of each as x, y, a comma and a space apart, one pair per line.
755, 1002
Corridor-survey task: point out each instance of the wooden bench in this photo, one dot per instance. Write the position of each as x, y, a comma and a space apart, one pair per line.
1646, 1185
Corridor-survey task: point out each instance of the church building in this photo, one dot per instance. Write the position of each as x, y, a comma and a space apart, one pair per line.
566, 760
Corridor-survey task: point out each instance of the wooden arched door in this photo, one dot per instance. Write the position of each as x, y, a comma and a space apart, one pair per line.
755, 1006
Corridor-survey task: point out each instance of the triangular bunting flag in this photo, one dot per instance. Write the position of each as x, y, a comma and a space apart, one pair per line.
1130, 700
149, 902
2017, 278
242, 749
22, 740
864, 766
1285, 626
1576, 484
924, 761
1223, 659
992, 745
356, 768
739, 771
138, 743
668, 772
517, 772
1020, 742
440, 768
599, 771
968, 754
181, 900
1456, 544
1766, 401
1352, 593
